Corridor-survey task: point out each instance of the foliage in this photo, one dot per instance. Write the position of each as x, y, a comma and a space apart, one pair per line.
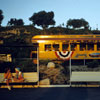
25, 64
65, 31
77, 23
15, 22
93, 64
43, 19
1, 17
56, 30
18, 46
96, 31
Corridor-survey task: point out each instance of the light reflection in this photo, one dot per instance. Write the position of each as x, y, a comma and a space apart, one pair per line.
40, 41
44, 36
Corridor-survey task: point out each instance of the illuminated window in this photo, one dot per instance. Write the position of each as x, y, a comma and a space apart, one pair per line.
56, 47
65, 47
82, 46
48, 47
90, 46
98, 46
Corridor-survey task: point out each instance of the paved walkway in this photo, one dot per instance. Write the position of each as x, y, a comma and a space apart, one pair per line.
58, 93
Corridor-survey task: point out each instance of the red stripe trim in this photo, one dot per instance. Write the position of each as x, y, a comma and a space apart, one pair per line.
57, 56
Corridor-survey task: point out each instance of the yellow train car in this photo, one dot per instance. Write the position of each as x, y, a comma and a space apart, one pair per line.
62, 47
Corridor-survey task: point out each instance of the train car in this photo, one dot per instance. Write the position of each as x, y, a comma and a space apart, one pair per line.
64, 47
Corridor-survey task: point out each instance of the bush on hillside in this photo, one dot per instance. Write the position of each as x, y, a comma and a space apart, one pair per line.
93, 64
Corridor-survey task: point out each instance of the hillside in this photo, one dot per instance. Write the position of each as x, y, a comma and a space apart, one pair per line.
31, 30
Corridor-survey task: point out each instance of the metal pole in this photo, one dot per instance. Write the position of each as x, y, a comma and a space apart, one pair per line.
70, 65
85, 55
84, 61
38, 64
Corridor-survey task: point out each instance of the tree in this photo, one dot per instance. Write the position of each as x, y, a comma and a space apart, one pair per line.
11, 22
15, 22
43, 19
1, 17
20, 22
77, 23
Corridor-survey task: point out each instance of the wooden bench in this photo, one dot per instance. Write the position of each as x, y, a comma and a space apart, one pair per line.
85, 78
30, 77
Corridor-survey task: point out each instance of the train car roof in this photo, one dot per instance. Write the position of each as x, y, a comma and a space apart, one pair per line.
66, 37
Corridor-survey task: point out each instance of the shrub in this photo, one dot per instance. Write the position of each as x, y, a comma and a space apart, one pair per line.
93, 64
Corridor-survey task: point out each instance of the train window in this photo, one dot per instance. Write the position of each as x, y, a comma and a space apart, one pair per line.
65, 47
82, 46
98, 46
48, 47
73, 46
56, 47
90, 46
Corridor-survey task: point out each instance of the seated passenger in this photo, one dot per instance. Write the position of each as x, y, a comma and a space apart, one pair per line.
18, 76
8, 77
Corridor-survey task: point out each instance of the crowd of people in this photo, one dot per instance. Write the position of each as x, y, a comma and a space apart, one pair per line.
8, 77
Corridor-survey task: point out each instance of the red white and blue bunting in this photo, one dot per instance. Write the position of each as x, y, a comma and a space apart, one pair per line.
64, 55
